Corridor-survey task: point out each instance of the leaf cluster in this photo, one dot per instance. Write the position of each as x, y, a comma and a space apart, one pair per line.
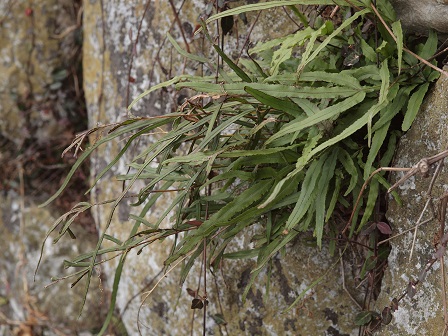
283, 140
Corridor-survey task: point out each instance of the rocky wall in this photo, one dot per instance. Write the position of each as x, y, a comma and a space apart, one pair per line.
34, 305
418, 16
40, 42
414, 246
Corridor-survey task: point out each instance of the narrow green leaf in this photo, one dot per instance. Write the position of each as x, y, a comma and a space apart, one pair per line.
325, 114
307, 106
273, 248
152, 173
167, 83
285, 51
322, 190
251, 281
213, 121
358, 124
342, 78
414, 105
430, 46
385, 81
377, 143
253, 152
178, 200
114, 294
225, 124
370, 72
183, 52
392, 109
370, 114
307, 190
243, 254
335, 196
276, 90
287, 106
141, 220
240, 72
367, 51
195, 158
388, 155
371, 201
187, 266
242, 175
251, 65
349, 166
272, 4
363, 318
326, 27
386, 9
279, 187
303, 19
330, 37
398, 32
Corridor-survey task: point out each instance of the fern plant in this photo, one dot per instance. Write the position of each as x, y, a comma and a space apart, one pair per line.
284, 139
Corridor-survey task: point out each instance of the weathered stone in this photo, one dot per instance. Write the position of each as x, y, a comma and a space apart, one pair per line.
32, 51
421, 15
27, 301
38, 41
424, 313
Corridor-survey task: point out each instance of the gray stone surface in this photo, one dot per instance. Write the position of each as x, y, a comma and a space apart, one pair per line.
31, 52
28, 305
420, 15
32, 48
423, 314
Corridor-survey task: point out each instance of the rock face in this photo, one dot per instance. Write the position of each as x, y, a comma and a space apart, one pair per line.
424, 313
35, 51
420, 15
27, 307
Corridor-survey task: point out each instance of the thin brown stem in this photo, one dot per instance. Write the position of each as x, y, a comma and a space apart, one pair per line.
363, 188
248, 36
176, 18
405, 49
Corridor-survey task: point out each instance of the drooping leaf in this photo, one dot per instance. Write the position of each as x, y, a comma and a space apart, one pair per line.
415, 101
377, 142
329, 112
285, 51
322, 190
307, 190
271, 4
329, 38
350, 168
287, 106
183, 52
371, 201
396, 28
